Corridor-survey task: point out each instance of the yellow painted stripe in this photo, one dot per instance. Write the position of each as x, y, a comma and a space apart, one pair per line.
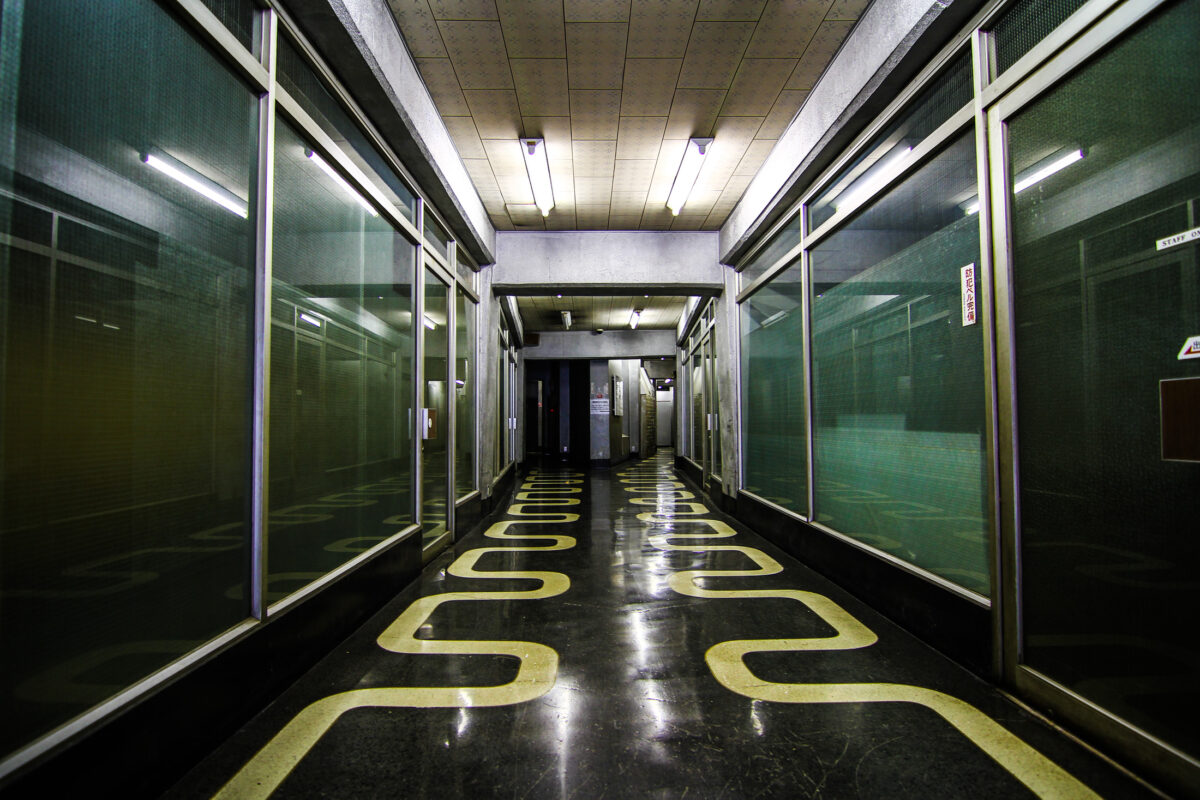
727, 664
536, 674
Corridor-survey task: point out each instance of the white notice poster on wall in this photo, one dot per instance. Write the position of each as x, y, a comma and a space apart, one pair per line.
968, 295
599, 405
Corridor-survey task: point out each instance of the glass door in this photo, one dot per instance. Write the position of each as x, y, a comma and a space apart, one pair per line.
435, 411
1102, 187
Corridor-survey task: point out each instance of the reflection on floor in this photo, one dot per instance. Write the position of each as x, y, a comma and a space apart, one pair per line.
614, 637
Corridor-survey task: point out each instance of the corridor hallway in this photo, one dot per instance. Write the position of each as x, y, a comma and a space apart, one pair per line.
614, 637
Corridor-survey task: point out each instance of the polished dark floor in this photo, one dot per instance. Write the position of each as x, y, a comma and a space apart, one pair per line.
632, 707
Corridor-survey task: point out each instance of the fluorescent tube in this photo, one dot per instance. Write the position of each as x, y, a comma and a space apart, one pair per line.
534, 151
689, 169
340, 181
197, 182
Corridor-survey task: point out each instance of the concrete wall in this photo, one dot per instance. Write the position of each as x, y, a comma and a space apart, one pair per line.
580, 262
610, 344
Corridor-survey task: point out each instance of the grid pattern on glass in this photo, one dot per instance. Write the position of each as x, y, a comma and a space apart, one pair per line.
1021, 27
898, 378
876, 164
341, 373
126, 294
299, 80
241, 17
774, 424
1101, 313
436, 414
464, 268
784, 240
464, 394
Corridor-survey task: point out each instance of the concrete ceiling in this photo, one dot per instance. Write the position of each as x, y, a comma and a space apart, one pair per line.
588, 313
616, 88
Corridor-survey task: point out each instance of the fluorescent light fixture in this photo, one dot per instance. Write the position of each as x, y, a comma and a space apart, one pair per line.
199, 184
534, 151
771, 320
634, 316
883, 171
430, 324
685, 178
1034, 176
341, 182
311, 320
460, 382
566, 318
85, 319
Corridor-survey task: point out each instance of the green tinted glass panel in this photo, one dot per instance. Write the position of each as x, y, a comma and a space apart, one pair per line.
1026, 24
464, 394
125, 306
298, 78
898, 391
436, 401
774, 427
1108, 481
945, 95
241, 18
784, 240
341, 372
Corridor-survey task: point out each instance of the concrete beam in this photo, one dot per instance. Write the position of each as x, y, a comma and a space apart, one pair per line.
607, 345
892, 41
362, 43
602, 262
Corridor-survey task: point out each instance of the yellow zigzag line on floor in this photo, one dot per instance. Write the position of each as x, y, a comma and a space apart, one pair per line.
725, 660
535, 676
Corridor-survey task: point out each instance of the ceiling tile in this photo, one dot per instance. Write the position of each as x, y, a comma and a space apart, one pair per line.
782, 113
821, 50
515, 188
477, 50
496, 113
732, 10
419, 28
591, 191
640, 137
594, 159
439, 77
660, 29
541, 86
657, 218
463, 9
627, 202
523, 214
594, 114
596, 10
596, 54
693, 112
847, 9
505, 156
754, 156
557, 133
533, 28
501, 222
648, 86
562, 181
688, 222
713, 54
756, 85
465, 137
624, 222
561, 222
633, 175
732, 133
786, 27
592, 217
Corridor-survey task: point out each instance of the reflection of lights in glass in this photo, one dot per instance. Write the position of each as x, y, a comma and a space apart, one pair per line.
430, 324
112, 327
689, 169
771, 320
1033, 176
311, 320
880, 174
341, 182
85, 319
460, 382
192, 179
634, 316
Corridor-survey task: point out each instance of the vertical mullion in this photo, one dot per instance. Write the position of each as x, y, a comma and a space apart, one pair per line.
982, 71
451, 402
806, 354
261, 402
419, 387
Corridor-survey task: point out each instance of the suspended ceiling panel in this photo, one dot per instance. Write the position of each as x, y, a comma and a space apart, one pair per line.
544, 313
616, 88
